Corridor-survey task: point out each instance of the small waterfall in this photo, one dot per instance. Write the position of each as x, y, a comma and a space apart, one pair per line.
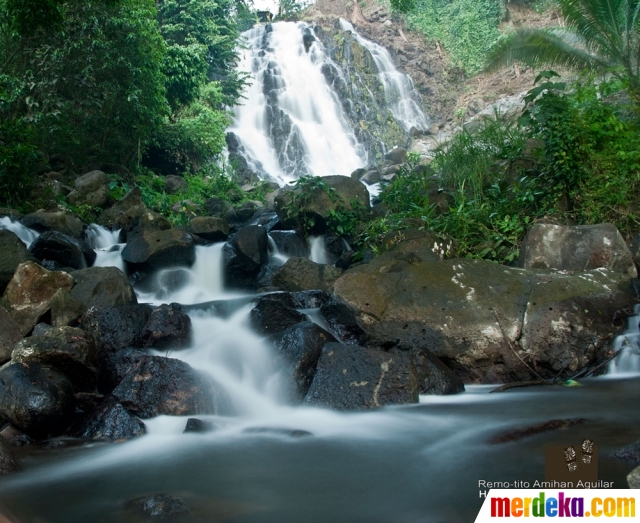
628, 361
107, 245
402, 98
292, 123
24, 233
318, 249
276, 257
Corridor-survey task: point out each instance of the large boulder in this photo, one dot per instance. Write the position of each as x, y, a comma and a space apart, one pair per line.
43, 221
13, 252
132, 216
38, 401
29, 295
90, 189
64, 251
174, 184
342, 320
152, 250
117, 328
290, 243
167, 328
317, 203
67, 349
349, 377
300, 346
210, 228
434, 376
576, 249
244, 255
270, 316
9, 335
156, 385
301, 274
109, 421
8, 463
488, 322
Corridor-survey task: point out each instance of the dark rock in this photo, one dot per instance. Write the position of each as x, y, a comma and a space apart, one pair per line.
300, 346
396, 156
292, 433
371, 177
434, 376
343, 321
116, 328
13, 252
290, 243
36, 400
40, 329
174, 184
69, 350
159, 249
244, 255
160, 507
8, 463
210, 228
132, 216
540, 428
338, 251
157, 385
264, 280
109, 421
168, 328
349, 377
217, 206
197, 425
301, 274
630, 453
269, 220
576, 249
91, 189
43, 221
358, 173
29, 295
59, 248
15, 437
9, 335
114, 366
271, 316
247, 210
312, 299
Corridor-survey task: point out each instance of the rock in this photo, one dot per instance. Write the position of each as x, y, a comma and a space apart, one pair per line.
358, 173
30, 292
349, 377
290, 243
576, 249
160, 507
61, 249
210, 228
14, 437
342, 321
174, 184
270, 316
197, 425
317, 204
217, 206
9, 335
36, 400
168, 328
157, 385
338, 251
247, 210
426, 245
114, 366
630, 453
132, 216
371, 177
187, 206
269, 220
396, 156
301, 274
40, 329
159, 249
69, 350
300, 346
434, 376
8, 463
482, 319
109, 421
244, 255
13, 252
633, 478
264, 280
117, 328
43, 221
91, 189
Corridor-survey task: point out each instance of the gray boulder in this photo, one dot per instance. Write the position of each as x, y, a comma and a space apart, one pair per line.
434, 376
167, 328
9, 335
270, 316
174, 184
62, 250
301, 274
210, 228
13, 252
290, 243
91, 189
152, 250
109, 421
132, 216
244, 256
42, 221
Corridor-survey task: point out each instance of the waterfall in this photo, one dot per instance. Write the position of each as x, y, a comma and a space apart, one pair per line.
107, 245
24, 233
400, 93
628, 361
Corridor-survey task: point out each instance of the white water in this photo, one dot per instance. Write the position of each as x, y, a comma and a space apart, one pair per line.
24, 233
329, 146
107, 245
628, 361
400, 93
318, 250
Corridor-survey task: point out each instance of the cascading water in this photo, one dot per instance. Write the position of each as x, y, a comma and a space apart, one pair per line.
292, 122
628, 361
107, 245
24, 233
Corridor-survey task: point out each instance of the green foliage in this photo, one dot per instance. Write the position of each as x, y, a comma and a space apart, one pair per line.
466, 28
290, 9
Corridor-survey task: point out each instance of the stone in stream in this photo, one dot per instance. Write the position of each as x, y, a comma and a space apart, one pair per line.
8, 463
198, 425
9, 335
91, 189
36, 400
343, 321
210, 228
338, 251
300, 346
117, 328
434, 376
244, 256
160, 507
167, 328
62, 250
630, 453
13, 252
270, 316
109, 421
290, 243
301, 274
42, 221
152, 250
352, 378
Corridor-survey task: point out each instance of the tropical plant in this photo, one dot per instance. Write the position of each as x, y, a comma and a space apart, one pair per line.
598, 35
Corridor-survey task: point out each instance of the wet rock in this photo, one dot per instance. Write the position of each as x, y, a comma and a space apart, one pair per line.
426, 245
174, 184
8, 463
62, 250
318, 204
338, 251
540, 428
40, 329
264, 280
109, 421
160, 507
114, 366
349, 377
13, 252
312, 299
244, 255
576, 249
269, 220
156, 385
434, 376
247, 210
154, 250
301, 274
36, 400
9, 335
290, 243
30, 292
217, 206
270, 316
358, 173
292, 433
396, 156
132, 216
210, 228
43, 221
371, 177
116, 328
91, 189
630, 453
69, 350
343, 321
14, 437
197, 425
300, 346
167, 328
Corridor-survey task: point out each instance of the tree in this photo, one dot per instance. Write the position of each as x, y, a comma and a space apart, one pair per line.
599, 35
